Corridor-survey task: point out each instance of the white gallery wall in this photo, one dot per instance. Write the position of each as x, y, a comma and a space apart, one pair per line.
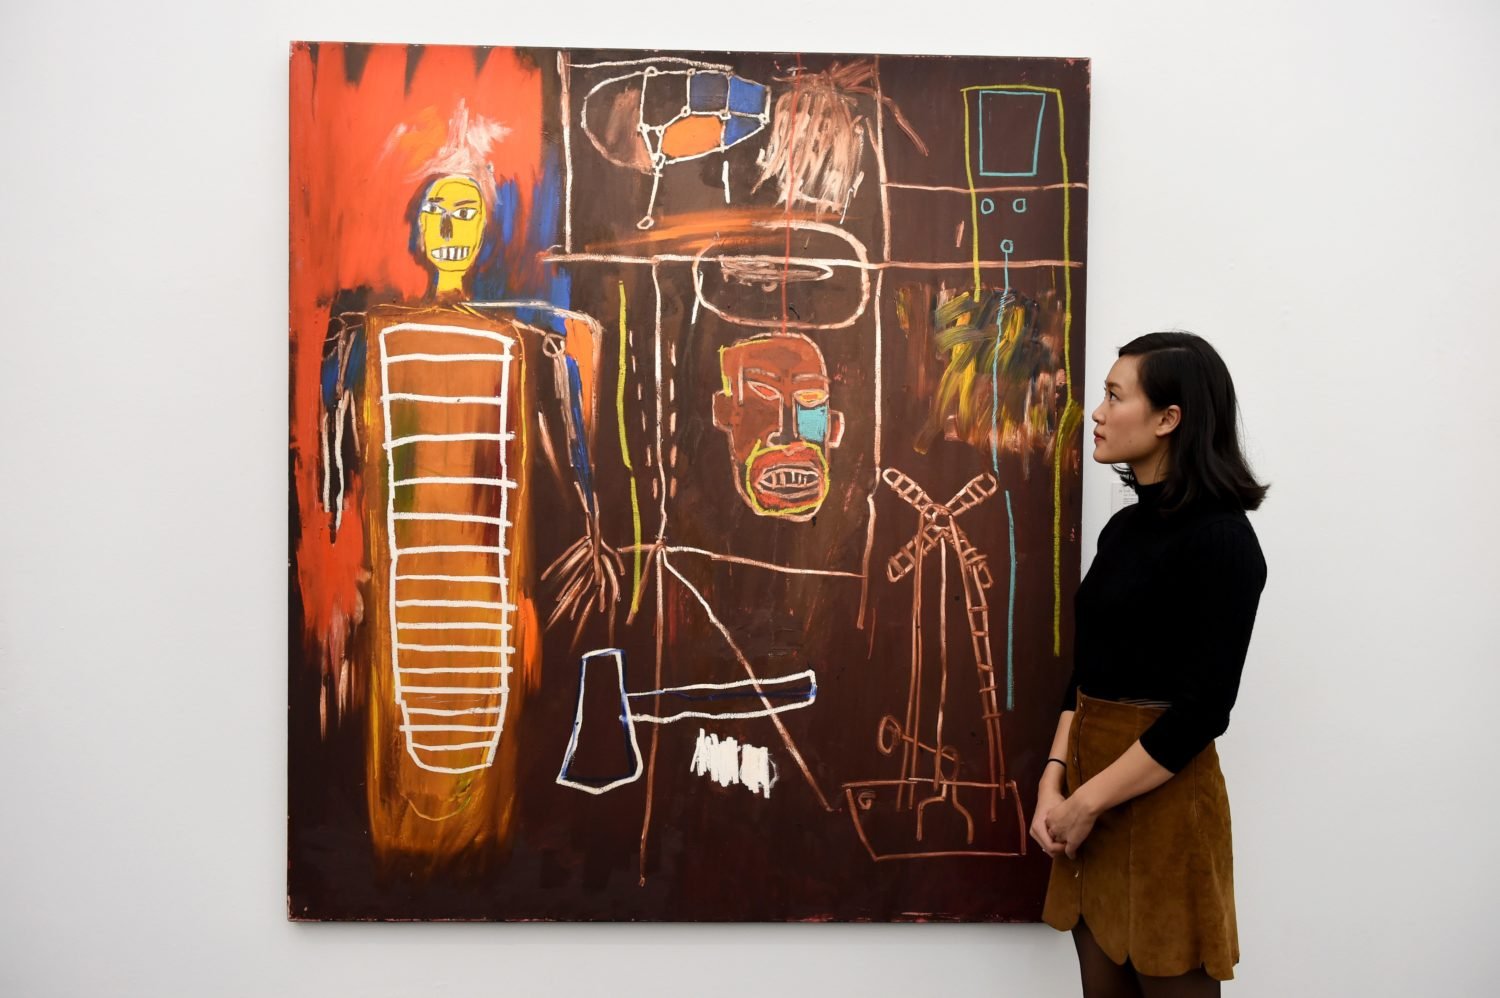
1311, 186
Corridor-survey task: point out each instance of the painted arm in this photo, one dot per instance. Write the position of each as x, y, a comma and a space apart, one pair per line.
341, 378
588, 573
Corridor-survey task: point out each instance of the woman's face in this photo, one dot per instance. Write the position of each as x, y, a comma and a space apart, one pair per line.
1127, 430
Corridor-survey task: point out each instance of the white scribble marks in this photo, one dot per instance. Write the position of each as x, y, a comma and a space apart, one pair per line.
728, 762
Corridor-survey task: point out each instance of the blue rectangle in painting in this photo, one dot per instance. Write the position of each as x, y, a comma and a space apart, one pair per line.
738, 127
1010, 132
746, 97
708, 91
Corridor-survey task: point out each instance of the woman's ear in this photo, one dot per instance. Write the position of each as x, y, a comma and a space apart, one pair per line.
1168, 420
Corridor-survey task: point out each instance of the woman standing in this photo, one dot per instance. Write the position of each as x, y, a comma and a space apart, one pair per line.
1132, 805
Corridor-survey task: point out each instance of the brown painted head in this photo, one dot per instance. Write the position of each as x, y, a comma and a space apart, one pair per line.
775, 410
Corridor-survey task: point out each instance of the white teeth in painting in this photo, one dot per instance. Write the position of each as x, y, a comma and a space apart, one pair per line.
451, 253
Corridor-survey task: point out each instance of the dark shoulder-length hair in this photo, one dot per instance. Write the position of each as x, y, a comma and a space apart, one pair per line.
1206, 461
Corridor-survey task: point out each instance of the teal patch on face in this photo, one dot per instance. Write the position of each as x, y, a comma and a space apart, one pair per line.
812, 424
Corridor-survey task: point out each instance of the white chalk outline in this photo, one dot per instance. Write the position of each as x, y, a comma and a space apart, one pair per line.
861, 263
651, 135
443, 399
499, 483
444, 358
500, 550
635, 746
439, 438
759, 686
565, 98
456, 518
450, 549
629, 718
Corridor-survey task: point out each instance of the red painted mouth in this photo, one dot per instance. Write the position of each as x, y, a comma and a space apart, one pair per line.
787, 477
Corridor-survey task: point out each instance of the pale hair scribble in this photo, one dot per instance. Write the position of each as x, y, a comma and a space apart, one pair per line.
465, 152
818, 136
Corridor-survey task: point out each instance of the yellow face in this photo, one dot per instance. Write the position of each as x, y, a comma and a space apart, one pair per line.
452, 222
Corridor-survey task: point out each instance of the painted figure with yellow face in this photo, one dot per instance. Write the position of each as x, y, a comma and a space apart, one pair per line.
450, 229
451, 221
425, 445
449, 606
775, 411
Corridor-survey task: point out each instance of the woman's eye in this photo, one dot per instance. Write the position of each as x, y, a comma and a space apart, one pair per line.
432, 208
464, 214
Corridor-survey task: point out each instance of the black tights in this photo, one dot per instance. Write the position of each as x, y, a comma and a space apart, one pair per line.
1103, 978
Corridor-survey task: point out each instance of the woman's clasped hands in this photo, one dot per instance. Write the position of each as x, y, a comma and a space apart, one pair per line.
1061, 824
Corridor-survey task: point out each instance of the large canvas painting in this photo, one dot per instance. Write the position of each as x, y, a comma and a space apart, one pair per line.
684, 480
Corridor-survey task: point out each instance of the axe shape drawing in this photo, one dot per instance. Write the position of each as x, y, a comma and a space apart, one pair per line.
603, 752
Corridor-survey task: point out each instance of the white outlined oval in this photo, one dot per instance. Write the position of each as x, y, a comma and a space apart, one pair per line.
826, 266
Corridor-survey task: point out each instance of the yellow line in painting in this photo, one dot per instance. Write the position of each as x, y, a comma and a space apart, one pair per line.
1057, 463
1062, 149
1062, 152
635, 499
973, 197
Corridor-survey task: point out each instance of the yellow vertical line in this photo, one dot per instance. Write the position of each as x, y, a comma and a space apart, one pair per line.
1062, 152
973, 196
1067, 418
635, 500
1070, 405
1057, 464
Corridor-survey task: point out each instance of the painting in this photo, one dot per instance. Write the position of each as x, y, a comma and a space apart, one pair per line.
684, 480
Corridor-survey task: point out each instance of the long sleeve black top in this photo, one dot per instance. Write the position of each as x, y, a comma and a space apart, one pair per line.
1165, 614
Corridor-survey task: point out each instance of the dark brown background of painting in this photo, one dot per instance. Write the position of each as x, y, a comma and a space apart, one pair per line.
723, 853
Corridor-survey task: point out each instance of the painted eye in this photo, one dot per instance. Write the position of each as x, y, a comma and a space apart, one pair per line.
465, 214
764, 391
811, 398
432, 208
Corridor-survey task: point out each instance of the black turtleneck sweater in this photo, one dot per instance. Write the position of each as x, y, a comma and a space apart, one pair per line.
1165, 613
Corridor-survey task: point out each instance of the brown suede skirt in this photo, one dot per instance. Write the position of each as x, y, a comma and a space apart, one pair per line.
1154, 881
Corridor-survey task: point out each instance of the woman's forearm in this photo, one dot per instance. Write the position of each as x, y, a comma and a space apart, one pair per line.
1052, 773
1132, 774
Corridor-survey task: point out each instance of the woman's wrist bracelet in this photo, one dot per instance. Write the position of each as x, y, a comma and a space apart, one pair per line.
1061, 762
